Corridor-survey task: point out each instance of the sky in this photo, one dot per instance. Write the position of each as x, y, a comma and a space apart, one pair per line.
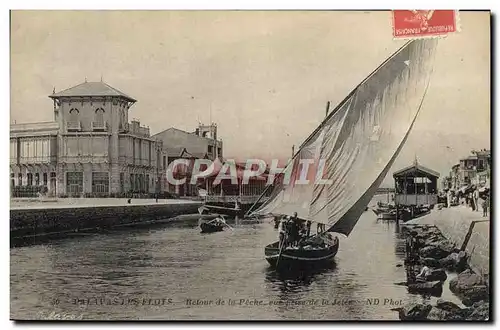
263, 77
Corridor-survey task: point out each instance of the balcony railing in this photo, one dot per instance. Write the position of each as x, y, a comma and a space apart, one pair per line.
84, 159
35, 160
99, 126
231, 199
74, 126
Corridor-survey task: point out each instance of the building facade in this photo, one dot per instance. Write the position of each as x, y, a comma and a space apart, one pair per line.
203, 141
178, 144
474, 169
90, 148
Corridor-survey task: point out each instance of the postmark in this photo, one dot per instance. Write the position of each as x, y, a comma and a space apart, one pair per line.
417, 24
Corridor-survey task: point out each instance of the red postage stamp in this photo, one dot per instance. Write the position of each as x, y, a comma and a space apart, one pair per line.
423, 23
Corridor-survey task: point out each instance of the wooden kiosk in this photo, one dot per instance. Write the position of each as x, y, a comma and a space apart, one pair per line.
416, 187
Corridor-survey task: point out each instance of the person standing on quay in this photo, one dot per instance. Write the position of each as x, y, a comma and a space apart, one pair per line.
475, 198
485, 207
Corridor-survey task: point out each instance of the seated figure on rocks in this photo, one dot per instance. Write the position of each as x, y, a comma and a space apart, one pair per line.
422, 276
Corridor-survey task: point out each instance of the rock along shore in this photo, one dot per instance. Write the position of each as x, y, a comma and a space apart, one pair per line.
439, 255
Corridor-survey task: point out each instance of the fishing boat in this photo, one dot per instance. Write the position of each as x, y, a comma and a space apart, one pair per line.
353, 149
212, 226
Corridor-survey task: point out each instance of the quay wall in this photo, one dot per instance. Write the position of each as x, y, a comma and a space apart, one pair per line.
27, 222
466, 229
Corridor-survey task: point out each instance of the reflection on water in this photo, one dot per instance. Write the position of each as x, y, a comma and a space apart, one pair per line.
298, 279
119, 275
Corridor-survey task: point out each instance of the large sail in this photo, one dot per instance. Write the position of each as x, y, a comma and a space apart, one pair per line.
358, 142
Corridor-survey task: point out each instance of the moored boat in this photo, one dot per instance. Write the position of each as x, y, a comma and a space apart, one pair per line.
212, 226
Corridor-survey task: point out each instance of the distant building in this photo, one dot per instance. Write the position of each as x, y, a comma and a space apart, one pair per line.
90, 148
203, 141
179, 144
446, 183
474, 169
455, 177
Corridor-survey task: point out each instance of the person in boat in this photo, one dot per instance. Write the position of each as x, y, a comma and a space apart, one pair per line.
282, 231
292, 230
285, 224
321, 228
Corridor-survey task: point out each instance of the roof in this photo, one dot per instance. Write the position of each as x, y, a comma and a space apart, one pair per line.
483, 152
34, 129
91, 89
184, 132
183, 152
175, 152
416, 167
175, 129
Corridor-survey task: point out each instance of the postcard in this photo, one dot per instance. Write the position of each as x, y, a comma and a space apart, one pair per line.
250, 165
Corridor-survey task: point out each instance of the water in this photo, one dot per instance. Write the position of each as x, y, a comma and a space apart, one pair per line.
150, 274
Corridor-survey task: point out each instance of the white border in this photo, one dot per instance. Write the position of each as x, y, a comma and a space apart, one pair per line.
187, 4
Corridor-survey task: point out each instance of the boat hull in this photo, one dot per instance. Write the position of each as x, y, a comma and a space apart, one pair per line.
228, 209
300, 257
210, 228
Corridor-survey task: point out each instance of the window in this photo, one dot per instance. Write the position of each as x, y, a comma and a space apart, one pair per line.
164, 162
73, 122
210, 149
12, 183
149, 150
219, 152
132, 182
137, 182
141, 182
30, 179
98, 122
44, 179
37, 179
73, 115
122, 182
74, 183
100, 182
20, 179
147, 182
99, 117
